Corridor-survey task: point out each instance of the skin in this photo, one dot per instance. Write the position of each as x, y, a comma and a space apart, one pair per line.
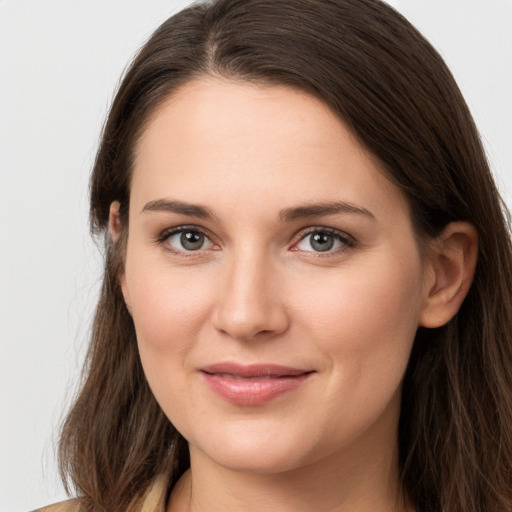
258, 291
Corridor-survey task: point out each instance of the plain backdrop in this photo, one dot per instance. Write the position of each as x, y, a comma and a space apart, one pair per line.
60, 62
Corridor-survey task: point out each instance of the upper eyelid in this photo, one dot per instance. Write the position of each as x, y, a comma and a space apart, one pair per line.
323, 229
166, 233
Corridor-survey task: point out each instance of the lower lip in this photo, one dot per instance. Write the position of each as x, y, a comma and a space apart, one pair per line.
246, 391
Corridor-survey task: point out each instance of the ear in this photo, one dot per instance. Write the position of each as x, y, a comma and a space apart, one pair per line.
115, 228
114, 221
451, 267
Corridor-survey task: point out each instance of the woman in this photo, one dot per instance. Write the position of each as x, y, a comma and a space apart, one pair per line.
294, 198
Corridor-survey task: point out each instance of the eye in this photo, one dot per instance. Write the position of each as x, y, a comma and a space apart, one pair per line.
323, 240
187, 240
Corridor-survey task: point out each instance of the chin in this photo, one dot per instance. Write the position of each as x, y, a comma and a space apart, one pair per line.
262, 451
256, 460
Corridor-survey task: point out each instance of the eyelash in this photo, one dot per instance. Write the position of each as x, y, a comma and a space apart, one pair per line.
340, 236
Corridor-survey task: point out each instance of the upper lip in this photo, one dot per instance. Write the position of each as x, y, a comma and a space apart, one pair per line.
253, 370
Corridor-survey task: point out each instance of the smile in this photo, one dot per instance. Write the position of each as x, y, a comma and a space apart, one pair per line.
254, 384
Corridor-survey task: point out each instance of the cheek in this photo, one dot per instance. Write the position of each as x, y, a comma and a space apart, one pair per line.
364, 327
367, 315
169, 310
168, 306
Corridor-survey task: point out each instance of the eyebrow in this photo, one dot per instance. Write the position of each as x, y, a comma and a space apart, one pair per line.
193, 210
287, 215
321, 209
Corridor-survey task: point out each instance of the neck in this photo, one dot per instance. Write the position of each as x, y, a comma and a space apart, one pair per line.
364, 481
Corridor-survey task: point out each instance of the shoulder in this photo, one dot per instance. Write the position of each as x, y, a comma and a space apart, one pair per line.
152, 500
63, 506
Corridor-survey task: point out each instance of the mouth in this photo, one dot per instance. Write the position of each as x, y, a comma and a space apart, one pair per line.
253, 384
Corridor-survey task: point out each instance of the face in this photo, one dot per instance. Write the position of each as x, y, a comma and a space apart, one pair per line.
273, 276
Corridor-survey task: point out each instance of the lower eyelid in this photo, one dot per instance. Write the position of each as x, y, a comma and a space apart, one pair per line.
206, 240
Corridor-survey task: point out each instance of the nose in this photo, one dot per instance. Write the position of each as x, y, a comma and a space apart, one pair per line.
251, 304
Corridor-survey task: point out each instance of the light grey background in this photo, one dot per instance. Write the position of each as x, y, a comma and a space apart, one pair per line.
60, 62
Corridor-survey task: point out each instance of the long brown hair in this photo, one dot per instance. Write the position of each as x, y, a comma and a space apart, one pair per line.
394, 91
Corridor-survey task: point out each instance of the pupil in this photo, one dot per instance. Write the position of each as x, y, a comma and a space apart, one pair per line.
192, 240
322, 242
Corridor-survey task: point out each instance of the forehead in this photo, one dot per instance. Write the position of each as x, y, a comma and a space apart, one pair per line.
221, 112
218, 140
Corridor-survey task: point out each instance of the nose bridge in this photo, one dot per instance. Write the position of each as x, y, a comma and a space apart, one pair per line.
250, 304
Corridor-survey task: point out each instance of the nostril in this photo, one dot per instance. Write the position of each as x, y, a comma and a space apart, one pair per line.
251, 328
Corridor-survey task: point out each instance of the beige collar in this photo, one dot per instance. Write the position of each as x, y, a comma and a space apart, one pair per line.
153, 500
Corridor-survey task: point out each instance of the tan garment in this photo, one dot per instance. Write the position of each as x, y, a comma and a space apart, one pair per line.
153, 500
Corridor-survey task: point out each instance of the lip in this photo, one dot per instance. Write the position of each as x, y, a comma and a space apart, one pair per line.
253, 384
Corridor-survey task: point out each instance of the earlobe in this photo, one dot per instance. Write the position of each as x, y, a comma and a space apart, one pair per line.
452, 263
